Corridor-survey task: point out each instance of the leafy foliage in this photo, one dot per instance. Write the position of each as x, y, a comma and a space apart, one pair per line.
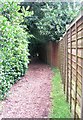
13, 45
56, 16
49, 19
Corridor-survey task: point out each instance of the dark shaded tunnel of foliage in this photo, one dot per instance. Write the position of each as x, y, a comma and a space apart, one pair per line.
48, 22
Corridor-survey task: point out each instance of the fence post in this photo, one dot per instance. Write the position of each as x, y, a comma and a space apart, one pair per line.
71, 67
82, 89
76, 70
82, 69
64, 62
67, 66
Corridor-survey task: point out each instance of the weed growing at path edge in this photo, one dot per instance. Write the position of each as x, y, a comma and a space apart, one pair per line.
60, 108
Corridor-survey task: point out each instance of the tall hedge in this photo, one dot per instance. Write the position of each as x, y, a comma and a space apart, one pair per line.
13, 45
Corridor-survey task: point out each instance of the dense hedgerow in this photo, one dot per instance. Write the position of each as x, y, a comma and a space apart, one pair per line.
13, 45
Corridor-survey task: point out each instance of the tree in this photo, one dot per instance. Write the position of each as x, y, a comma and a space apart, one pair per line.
49, 19
56, 17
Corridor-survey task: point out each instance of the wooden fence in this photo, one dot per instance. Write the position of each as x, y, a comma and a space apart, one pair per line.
71, 65
48, 53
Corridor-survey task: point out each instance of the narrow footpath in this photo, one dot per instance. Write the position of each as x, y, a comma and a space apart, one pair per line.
30, 97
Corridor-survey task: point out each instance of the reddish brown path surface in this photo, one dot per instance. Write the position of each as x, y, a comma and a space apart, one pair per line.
30, 97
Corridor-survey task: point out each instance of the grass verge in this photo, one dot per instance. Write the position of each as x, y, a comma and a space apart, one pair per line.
60, 108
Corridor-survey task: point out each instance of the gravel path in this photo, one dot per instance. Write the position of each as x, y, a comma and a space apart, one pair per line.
30, 97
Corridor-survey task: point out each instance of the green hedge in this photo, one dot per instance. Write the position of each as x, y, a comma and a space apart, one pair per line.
13, 45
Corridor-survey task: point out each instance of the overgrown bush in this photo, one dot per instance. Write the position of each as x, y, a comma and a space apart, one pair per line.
13, 45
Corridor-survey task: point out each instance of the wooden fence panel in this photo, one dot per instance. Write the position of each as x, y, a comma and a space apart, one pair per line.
71, 66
